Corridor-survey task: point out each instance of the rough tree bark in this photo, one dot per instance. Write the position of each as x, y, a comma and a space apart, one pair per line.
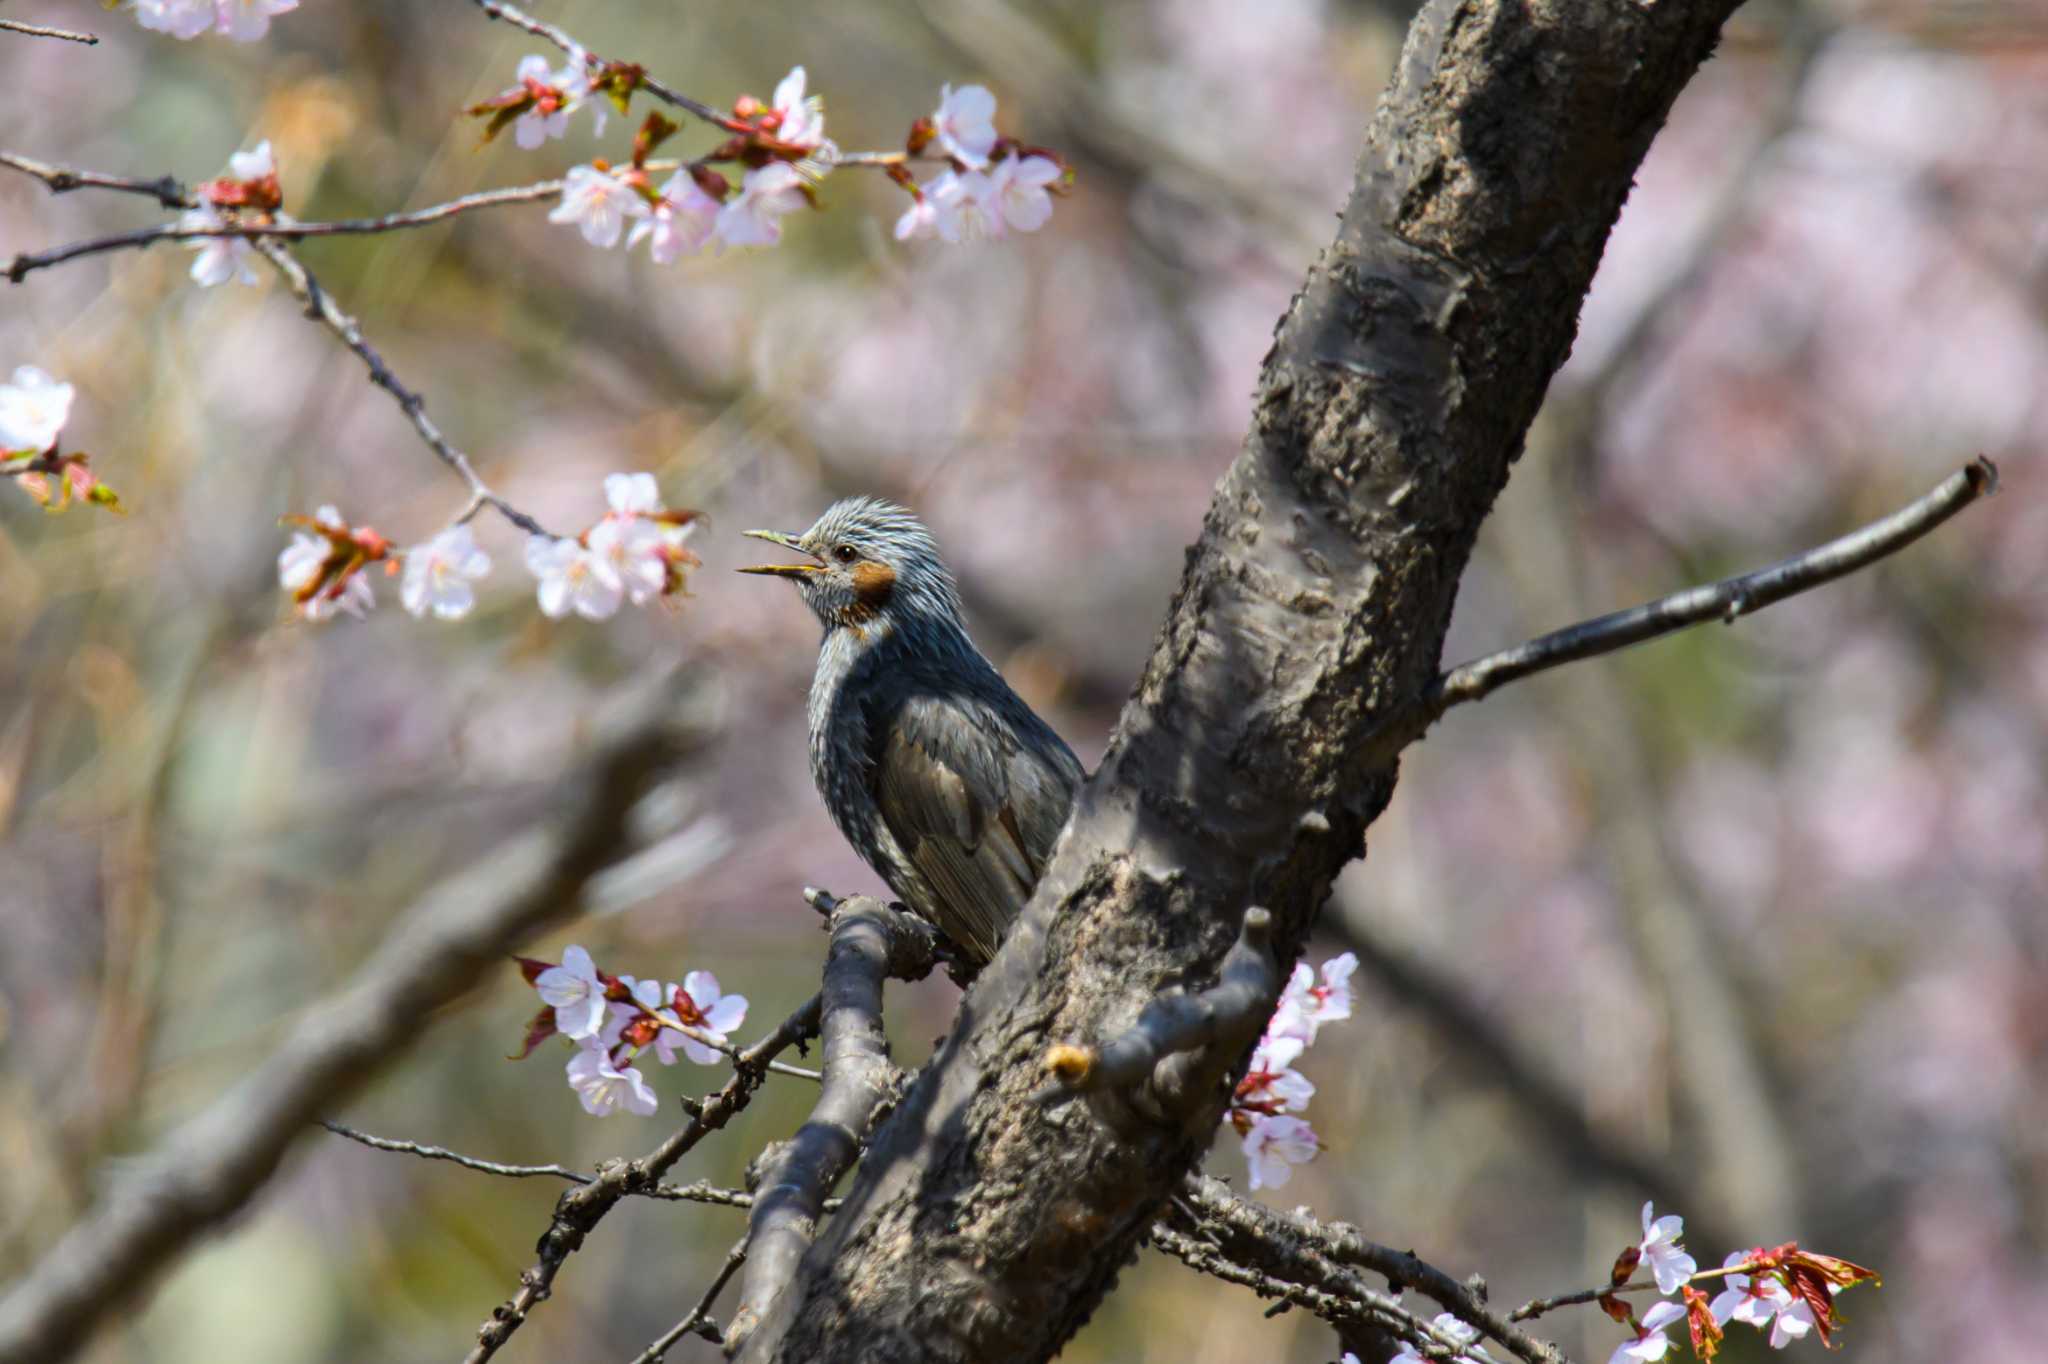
1263, 736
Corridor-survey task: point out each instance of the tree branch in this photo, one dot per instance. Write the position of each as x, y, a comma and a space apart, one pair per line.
583, 1207
212, 1165
518, 18
699, 1321
39, 31
870, 943
1726, 600
1261, 740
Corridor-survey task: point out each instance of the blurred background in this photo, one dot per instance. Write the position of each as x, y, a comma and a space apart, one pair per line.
1750, 920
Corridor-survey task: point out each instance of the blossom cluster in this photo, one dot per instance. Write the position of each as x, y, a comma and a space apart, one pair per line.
991, 185
1272, 1093
33, 410
635, 553
245, 21
613, 1020
250, 190
1446, 1327
1785, 1290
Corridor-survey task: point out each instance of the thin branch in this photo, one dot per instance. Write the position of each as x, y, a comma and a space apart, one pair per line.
63, 179
870, 943
1181, 1044
209, 1168
518, 18
320, 306
38, 31
1287, 1243
699, 1321
1727, 600
581, 1208
30, 261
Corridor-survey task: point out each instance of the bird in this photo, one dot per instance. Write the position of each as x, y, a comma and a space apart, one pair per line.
945, 782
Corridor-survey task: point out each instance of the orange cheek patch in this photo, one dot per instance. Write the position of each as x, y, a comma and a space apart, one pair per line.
873, 585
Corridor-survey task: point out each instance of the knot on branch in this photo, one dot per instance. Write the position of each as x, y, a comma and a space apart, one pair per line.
1163, 1067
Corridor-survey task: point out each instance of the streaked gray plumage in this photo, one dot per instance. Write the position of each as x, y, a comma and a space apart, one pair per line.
942, 778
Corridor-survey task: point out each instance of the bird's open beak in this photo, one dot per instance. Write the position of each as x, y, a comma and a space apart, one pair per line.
781, 570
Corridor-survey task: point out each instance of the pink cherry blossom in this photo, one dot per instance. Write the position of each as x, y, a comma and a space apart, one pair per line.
575, 993
572, 578
1305, 1006
253, 164
1274, 1146
1444, 1327
920, 220
598, 203
604, 1087
1752, 1301
964, 124
1661, 1251
1270, 1081
536, 126
1651, 1343
680, 224
1794, 1320
33, 410
1018, 187
439, 574
753, 216
179, 18
965, 207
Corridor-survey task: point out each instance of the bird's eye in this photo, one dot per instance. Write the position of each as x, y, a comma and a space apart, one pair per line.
844, 554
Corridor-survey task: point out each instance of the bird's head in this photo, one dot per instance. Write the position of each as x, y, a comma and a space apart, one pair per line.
874, 565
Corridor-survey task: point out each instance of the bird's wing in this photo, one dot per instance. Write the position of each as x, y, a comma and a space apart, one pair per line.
974, 811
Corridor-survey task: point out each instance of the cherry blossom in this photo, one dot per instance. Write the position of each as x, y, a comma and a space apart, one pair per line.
1269, 1085
1449, 1328
1305, 1006
1752, 1301
803, 116
1274, 1146
1661, 1251
599, 203
1795, 1318
322, 566
1650, 1344
549, 116
920, 220
33, 410
964, 124
965, 207
220, 259
753, 216
179, 18
439, 574
248, 21
254, 164
704, 1007
572, 578
680, 224
1018, 187
604, 1087
575, 993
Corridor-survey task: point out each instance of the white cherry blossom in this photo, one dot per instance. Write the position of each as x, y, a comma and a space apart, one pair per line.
1794, 1320
220, 259
1274, 1146
604, 1087
575, 993
1662, 1253
1018, 187
1271, 1078
248, 21
680, 224
718, 1015
1305, 1006
572, 579
33, 410
753, 216
803, 116
920, 220
598, 203
179, 18
354, 598
253, 164
964, 124
1652, 1343
1450, 1328
439, 574
964, 206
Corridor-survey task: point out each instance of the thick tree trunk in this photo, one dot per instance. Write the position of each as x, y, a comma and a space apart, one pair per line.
1263, 736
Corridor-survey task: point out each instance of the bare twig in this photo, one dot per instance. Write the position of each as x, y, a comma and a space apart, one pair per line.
699, 1321
209, 1168
30, 261
1181, 1043
39, 31
1294, 1245
63, 179
698, 1192
870, 943
1726, 600
581, 1208
320, 306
